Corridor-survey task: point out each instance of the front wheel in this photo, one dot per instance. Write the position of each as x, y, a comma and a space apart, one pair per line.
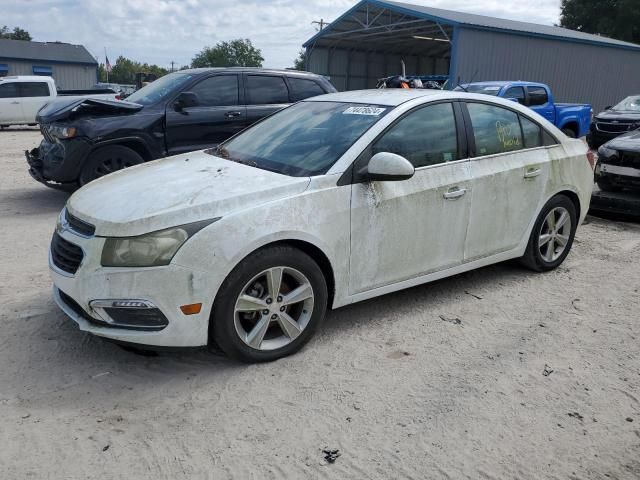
107, 160
269, 306
552, 235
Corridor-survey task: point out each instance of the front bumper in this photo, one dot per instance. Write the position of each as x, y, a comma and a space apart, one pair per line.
166, 288
58, 164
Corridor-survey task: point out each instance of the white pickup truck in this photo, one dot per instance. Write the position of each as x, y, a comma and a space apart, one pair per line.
22, 96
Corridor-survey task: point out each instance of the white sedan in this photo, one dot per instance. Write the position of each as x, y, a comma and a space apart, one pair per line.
334, 200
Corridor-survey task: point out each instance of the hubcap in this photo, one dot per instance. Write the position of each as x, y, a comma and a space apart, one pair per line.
554, 234
273, 308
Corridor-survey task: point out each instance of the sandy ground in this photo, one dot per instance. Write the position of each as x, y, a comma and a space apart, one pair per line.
495, 374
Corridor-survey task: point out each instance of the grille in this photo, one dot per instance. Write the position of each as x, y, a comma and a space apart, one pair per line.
45, 133
630, 160
79, 226
65, 255
614, 127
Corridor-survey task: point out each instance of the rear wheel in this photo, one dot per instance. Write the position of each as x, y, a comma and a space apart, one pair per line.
269, 306
552, 235
107, 160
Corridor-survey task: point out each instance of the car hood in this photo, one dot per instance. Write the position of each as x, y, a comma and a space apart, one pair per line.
176, 191
628, 142
66, 108
609, 115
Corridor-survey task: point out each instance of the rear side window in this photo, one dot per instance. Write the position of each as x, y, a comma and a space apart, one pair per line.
34, 89
302, 88
495, 129
531, 132
516, 93
8, 90
427, 136
266, 90
218, 91
537, 96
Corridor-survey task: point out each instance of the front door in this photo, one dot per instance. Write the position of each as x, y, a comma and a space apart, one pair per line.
10, 104
217, 116
509, 172
404, 229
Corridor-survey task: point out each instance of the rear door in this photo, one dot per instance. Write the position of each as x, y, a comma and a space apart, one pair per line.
265, 94
539, 102
509, 169
33, 96
218, 115
10, 104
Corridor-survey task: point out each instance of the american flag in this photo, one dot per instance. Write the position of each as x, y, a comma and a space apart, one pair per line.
107, 65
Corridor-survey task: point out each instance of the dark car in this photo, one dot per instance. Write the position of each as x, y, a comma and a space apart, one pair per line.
615, 121
184, 111
619, 163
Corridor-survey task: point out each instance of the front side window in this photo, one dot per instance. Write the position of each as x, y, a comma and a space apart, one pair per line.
34, 89
303, 88
495, 129
218, 91
427, 136
8, 90
303, 140
537, 96
267, 90
517, 93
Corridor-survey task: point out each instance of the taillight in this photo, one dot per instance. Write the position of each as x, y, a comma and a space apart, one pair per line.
591, 158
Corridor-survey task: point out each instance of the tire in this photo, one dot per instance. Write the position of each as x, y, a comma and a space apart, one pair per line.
237, 331
605, 185
106, 160
539, 257
569, 133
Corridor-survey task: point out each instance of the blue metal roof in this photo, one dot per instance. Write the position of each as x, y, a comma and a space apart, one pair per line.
481, 22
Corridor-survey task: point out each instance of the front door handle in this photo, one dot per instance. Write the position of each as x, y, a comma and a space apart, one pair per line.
532, 172
15, 103
454, 193
232, 114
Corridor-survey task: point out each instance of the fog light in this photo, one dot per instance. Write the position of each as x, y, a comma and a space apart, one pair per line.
130, 314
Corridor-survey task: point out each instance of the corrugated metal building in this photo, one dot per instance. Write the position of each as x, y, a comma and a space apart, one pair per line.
369, 40
72, 66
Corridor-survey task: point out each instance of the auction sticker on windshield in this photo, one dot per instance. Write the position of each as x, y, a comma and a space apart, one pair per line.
372, 111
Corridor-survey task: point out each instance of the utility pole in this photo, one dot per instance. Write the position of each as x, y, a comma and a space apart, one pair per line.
321, 23
172, 62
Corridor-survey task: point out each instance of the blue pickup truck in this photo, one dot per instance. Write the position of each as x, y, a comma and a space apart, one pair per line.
572, 118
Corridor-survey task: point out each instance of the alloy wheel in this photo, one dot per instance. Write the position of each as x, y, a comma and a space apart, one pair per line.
554, 234
273, 308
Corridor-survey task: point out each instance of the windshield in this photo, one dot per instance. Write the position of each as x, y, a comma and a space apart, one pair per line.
159, 89
484, 89
629, 104
303, 140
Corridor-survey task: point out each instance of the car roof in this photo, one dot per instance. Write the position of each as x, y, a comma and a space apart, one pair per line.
27, 78
503, 83
384, 96
247, 69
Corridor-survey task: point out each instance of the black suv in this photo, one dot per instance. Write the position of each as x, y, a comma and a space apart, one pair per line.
614, 121
183, 111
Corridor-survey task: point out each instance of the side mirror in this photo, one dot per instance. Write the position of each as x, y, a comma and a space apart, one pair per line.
386, 167
185, 100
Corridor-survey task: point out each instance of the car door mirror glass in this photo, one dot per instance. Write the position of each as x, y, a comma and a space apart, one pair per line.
186, 100
386, 166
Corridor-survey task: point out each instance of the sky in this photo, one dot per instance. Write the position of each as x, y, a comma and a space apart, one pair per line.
162, 31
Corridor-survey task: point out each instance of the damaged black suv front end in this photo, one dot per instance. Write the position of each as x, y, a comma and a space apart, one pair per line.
59, 158
619, 163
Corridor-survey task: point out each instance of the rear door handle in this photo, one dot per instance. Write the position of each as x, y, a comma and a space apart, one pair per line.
232, 114
532, 172
454, 193
15, 103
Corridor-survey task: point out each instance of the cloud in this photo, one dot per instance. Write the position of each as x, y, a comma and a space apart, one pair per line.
161, 31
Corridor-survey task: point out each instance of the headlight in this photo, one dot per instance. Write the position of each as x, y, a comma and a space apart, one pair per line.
63, 132
149, 250
604, 152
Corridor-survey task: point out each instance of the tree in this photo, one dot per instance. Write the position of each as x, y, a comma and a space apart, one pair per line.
17, 34
124, 71
236, 53
300, 61
619, 19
